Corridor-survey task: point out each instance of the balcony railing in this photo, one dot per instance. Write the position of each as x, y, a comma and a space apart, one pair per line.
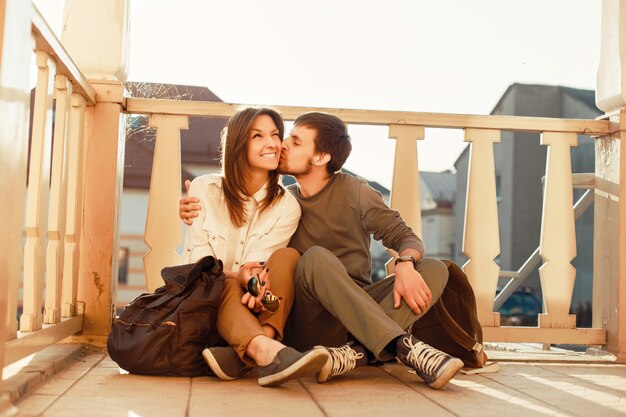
72, 199
51, 310
481, 240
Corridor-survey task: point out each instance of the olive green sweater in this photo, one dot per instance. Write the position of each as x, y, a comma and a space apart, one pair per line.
342, 217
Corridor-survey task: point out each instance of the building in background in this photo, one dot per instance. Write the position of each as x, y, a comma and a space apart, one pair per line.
437, 195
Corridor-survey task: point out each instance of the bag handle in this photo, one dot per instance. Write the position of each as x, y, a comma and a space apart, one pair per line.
192, 273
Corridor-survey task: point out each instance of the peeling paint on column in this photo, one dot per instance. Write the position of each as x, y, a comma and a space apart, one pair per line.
98, 283
608, 158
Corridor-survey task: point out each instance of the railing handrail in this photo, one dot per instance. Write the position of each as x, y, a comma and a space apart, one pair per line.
382, 117
47, 41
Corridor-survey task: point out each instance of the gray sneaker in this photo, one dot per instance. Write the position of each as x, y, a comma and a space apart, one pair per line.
342, 359
435, 367
289, 364
225, 363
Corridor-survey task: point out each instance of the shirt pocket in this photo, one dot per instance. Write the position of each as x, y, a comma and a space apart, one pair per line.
217, 235
261, 231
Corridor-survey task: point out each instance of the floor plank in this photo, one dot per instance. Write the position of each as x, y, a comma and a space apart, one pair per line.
106, 391
370, 391
95, 386
580, 390
478, 395
244, 397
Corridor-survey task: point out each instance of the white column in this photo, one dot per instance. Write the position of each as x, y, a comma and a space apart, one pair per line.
557, 244
15, 60
38, 194
609, 267
163, 227
58, 201
74, 205
611, 79
95, 33
405, 189
481, 239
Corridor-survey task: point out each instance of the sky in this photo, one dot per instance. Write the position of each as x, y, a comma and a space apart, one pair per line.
450, 56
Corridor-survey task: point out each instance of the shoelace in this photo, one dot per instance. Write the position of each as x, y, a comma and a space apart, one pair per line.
343, 359
424, 356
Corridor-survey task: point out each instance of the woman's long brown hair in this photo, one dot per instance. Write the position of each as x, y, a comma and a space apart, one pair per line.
235, 162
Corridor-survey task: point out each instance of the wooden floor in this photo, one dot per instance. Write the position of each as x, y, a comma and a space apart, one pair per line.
94, 386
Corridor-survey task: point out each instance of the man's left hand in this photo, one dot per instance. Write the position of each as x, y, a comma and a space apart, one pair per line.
410, 287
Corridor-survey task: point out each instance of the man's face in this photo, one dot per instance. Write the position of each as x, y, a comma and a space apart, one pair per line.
298, 150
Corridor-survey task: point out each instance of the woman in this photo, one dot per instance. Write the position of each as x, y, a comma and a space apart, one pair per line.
245, 219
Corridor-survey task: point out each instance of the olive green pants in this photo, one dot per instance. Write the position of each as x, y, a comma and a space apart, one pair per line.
328, 304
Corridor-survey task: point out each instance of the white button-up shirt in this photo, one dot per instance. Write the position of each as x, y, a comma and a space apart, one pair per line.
212, 233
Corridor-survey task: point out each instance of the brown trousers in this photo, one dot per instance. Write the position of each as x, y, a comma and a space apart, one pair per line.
238, 325
329, 304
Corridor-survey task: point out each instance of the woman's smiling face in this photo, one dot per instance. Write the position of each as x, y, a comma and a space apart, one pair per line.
264, 144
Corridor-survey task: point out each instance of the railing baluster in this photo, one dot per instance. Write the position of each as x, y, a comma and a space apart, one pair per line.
74, 205
58, 198
163, 227
405, 190
37, 195
481, 240
558, 233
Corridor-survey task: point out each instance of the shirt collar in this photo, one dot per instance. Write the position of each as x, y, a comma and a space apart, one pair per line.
261, 194
258, 196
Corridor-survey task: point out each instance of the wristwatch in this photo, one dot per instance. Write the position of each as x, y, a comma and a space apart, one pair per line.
406, 258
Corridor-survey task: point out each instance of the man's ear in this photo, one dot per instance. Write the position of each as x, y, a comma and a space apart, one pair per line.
321, 158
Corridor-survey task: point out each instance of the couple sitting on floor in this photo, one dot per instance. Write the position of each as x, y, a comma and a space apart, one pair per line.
309, 246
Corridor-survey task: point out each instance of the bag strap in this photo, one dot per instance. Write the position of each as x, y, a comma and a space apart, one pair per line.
191, 273
166, 298
455, 331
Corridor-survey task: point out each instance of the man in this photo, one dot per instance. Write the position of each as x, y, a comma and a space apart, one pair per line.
335, 297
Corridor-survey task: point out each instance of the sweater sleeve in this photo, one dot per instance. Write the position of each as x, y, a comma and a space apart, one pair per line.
386, 224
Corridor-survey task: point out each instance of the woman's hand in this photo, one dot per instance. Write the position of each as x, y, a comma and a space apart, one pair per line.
261, 274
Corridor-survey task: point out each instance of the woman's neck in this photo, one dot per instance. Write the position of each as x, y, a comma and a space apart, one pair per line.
255, 182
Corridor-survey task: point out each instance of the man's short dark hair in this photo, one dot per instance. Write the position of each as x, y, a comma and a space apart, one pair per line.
331, 137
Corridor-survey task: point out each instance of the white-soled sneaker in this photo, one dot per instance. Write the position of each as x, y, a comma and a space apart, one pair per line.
342, 359
435, 367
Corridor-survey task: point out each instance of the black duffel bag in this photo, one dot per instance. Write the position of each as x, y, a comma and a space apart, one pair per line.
164, 333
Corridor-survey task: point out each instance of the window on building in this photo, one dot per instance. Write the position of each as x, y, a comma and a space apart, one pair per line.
498, 187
